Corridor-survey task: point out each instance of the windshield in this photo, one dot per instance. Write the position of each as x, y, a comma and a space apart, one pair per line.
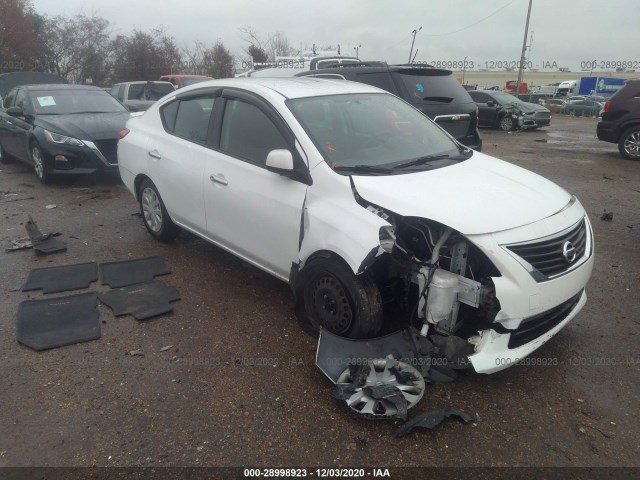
374, 131
505, 98
437, 87
192, 80
149, 91
62, 102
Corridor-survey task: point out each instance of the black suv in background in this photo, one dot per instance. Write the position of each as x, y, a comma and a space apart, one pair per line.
433, 91
621, 120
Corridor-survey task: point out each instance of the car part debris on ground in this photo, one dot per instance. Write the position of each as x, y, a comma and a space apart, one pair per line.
42, 244
381, 386
606, 216
431, 420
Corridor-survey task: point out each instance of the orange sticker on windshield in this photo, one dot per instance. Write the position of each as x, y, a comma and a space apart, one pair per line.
329, 147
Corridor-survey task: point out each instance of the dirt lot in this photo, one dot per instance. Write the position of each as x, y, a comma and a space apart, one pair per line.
205, 402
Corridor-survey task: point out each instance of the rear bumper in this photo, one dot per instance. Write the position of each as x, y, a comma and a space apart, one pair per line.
607, 132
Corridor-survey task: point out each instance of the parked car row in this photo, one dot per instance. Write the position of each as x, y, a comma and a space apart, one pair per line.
577, 106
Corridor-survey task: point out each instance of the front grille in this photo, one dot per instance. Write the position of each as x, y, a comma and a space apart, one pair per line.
456, 125
547, 256
109, 149
533, 327
543, 115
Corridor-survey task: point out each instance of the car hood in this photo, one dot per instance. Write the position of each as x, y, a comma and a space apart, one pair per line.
479, 195
85, 126
532, 107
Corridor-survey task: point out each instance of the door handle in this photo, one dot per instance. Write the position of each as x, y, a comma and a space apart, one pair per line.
219, 179
155, 154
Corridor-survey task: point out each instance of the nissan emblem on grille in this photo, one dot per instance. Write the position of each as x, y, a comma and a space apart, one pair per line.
568, 252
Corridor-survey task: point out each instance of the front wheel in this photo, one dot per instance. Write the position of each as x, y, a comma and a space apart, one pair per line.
331, 296
506, 123
154, 213
39, 165
629, 144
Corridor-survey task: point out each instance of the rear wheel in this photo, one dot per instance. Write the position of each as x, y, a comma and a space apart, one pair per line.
154, 213
330, 295
39, 164
629, 143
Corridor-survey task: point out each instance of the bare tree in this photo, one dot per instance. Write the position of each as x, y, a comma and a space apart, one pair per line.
193, 58
279, 46
75, 48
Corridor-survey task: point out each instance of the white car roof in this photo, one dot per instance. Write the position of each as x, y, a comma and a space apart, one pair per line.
296, 87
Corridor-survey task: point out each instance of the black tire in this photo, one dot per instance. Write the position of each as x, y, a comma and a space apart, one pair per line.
629, 143
4, 158
154, 213
39, 164
328, 294
506, 123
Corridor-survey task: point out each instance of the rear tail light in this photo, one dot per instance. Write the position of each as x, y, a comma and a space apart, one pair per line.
123, 133
607, 106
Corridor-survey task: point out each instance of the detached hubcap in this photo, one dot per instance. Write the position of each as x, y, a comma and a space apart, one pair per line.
151, 209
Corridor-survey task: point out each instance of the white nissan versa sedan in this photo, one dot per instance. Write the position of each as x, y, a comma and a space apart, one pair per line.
368, 209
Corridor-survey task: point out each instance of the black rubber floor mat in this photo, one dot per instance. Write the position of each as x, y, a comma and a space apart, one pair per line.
132, 272
143, 301
62, 279
56, 322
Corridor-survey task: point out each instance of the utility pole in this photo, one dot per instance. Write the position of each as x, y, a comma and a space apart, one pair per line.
524, 50
414, 33
464, 69
357, 49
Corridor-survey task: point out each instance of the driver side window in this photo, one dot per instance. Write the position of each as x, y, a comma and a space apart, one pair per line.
248, 133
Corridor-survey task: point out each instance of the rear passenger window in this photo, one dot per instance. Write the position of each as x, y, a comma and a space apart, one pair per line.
192, 118
169, 115
248, 133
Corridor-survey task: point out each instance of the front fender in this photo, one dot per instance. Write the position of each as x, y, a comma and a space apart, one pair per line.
338, 224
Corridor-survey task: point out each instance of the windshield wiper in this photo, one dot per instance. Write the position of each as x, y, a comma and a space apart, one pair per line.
422, 160
362, 169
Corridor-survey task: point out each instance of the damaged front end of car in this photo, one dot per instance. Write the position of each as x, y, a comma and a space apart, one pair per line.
436, 286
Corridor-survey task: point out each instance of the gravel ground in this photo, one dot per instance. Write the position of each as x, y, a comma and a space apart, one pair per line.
239, 385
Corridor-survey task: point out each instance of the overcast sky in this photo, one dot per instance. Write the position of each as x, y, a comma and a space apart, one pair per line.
567, 32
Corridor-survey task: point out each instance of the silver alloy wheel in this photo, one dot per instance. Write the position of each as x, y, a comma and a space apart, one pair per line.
151, 209
38, 165
632, 144
506, 123
386, 372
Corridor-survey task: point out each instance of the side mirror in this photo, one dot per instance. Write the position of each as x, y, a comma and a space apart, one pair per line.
491, 103
280, 161
15, 111
132, 108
